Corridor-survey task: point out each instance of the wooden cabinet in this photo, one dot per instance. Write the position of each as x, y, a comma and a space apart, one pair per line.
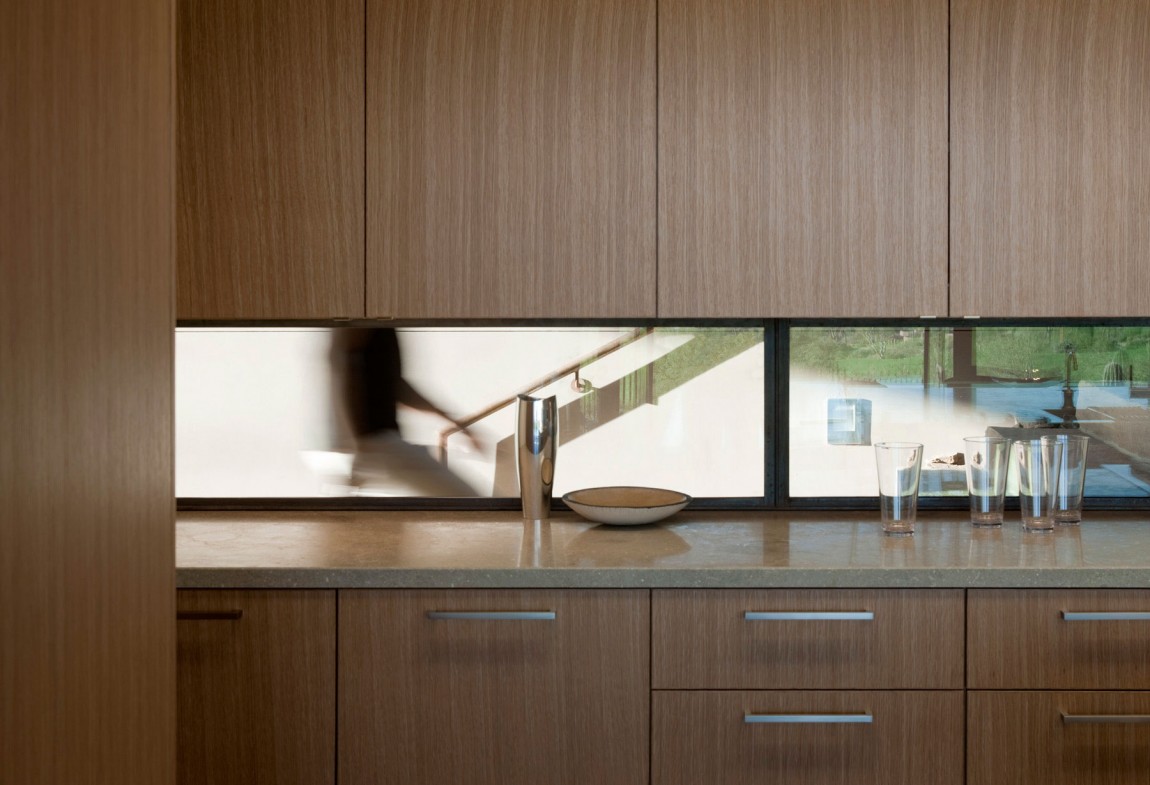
1050, 158
256, 687
270, 168
802, 158
511, 158
500, 687
1058, 682
802, 686
807, 738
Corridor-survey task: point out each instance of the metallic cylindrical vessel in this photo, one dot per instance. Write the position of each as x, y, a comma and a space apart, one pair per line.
536, 437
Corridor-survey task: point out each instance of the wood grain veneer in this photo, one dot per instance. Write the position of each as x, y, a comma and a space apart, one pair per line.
700, 640
700, 737
1019, 738
499, 702
87, 596
1050, 157
511, 158
1018, 640
257, 693
271, 165
802, 158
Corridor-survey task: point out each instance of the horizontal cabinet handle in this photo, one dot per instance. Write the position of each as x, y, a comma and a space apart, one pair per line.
1106, 616
817, 719
809, 616
493, 615
1105, 719
233, 615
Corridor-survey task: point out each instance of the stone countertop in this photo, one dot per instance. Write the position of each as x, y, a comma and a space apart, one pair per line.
274, 550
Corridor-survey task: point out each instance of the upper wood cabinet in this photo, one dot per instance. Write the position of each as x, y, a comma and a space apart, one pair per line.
1050, 186
802, 158
270, 159
511, 158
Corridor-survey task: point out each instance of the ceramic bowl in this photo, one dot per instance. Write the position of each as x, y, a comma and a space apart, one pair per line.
626, 505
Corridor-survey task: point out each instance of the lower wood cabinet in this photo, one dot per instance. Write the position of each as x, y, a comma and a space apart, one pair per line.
1058, 738
501, 687
255, 688
801, 738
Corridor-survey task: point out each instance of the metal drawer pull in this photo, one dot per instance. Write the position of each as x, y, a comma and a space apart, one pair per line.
809, 616
820, 719
494, 615
1105, 719
1106, 616
235, 615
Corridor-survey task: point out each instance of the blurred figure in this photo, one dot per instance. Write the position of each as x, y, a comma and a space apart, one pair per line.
369, 384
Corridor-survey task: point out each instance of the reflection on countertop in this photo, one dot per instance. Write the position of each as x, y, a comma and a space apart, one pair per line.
692, 549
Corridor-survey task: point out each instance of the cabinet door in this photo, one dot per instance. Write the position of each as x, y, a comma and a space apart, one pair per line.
1058, 738
270, 159
504, 701
802, 158
807, 738
256, 687
1050, 158
511, 158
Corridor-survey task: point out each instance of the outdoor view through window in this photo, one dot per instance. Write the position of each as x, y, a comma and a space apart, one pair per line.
416, 412
850, 387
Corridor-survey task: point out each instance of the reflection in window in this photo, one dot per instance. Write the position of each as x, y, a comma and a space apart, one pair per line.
853, 386
260, 413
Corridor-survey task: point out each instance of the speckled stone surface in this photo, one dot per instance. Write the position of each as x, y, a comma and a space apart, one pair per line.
691, 549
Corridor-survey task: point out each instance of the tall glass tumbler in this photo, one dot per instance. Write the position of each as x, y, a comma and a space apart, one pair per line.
1038, 464
987, 463
899, 465
1071, 479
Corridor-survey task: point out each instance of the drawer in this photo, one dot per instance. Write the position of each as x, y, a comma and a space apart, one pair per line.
546, 687
1058, 639
847, 737
807, 639
1058, 738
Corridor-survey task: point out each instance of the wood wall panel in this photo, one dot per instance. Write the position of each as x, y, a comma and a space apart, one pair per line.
1071, 655
561, 702
1019, 738
257, 693
701, 737
700, 640
802, 158
511, 158
1050, 158
270, 159
87, 574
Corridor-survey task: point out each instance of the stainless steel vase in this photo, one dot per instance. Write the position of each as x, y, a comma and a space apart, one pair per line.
536, 435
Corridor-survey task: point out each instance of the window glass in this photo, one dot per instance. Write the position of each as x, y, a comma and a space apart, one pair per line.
850, 387
308, 412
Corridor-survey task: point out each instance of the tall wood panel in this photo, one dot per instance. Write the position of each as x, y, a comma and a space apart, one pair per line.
511, 158
560, 701
256, 687
1050, 154
87, 596
802, 158
270, 159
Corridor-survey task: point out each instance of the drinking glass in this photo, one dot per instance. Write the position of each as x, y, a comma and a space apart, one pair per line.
899, 465
1038, 464
1071, 478
987, 461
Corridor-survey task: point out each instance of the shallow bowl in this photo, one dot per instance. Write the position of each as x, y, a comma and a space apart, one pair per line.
626, 505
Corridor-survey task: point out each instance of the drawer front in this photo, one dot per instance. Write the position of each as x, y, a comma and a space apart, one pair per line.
1058, 639
1058, 738
807, 639
502, 686
823, 738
